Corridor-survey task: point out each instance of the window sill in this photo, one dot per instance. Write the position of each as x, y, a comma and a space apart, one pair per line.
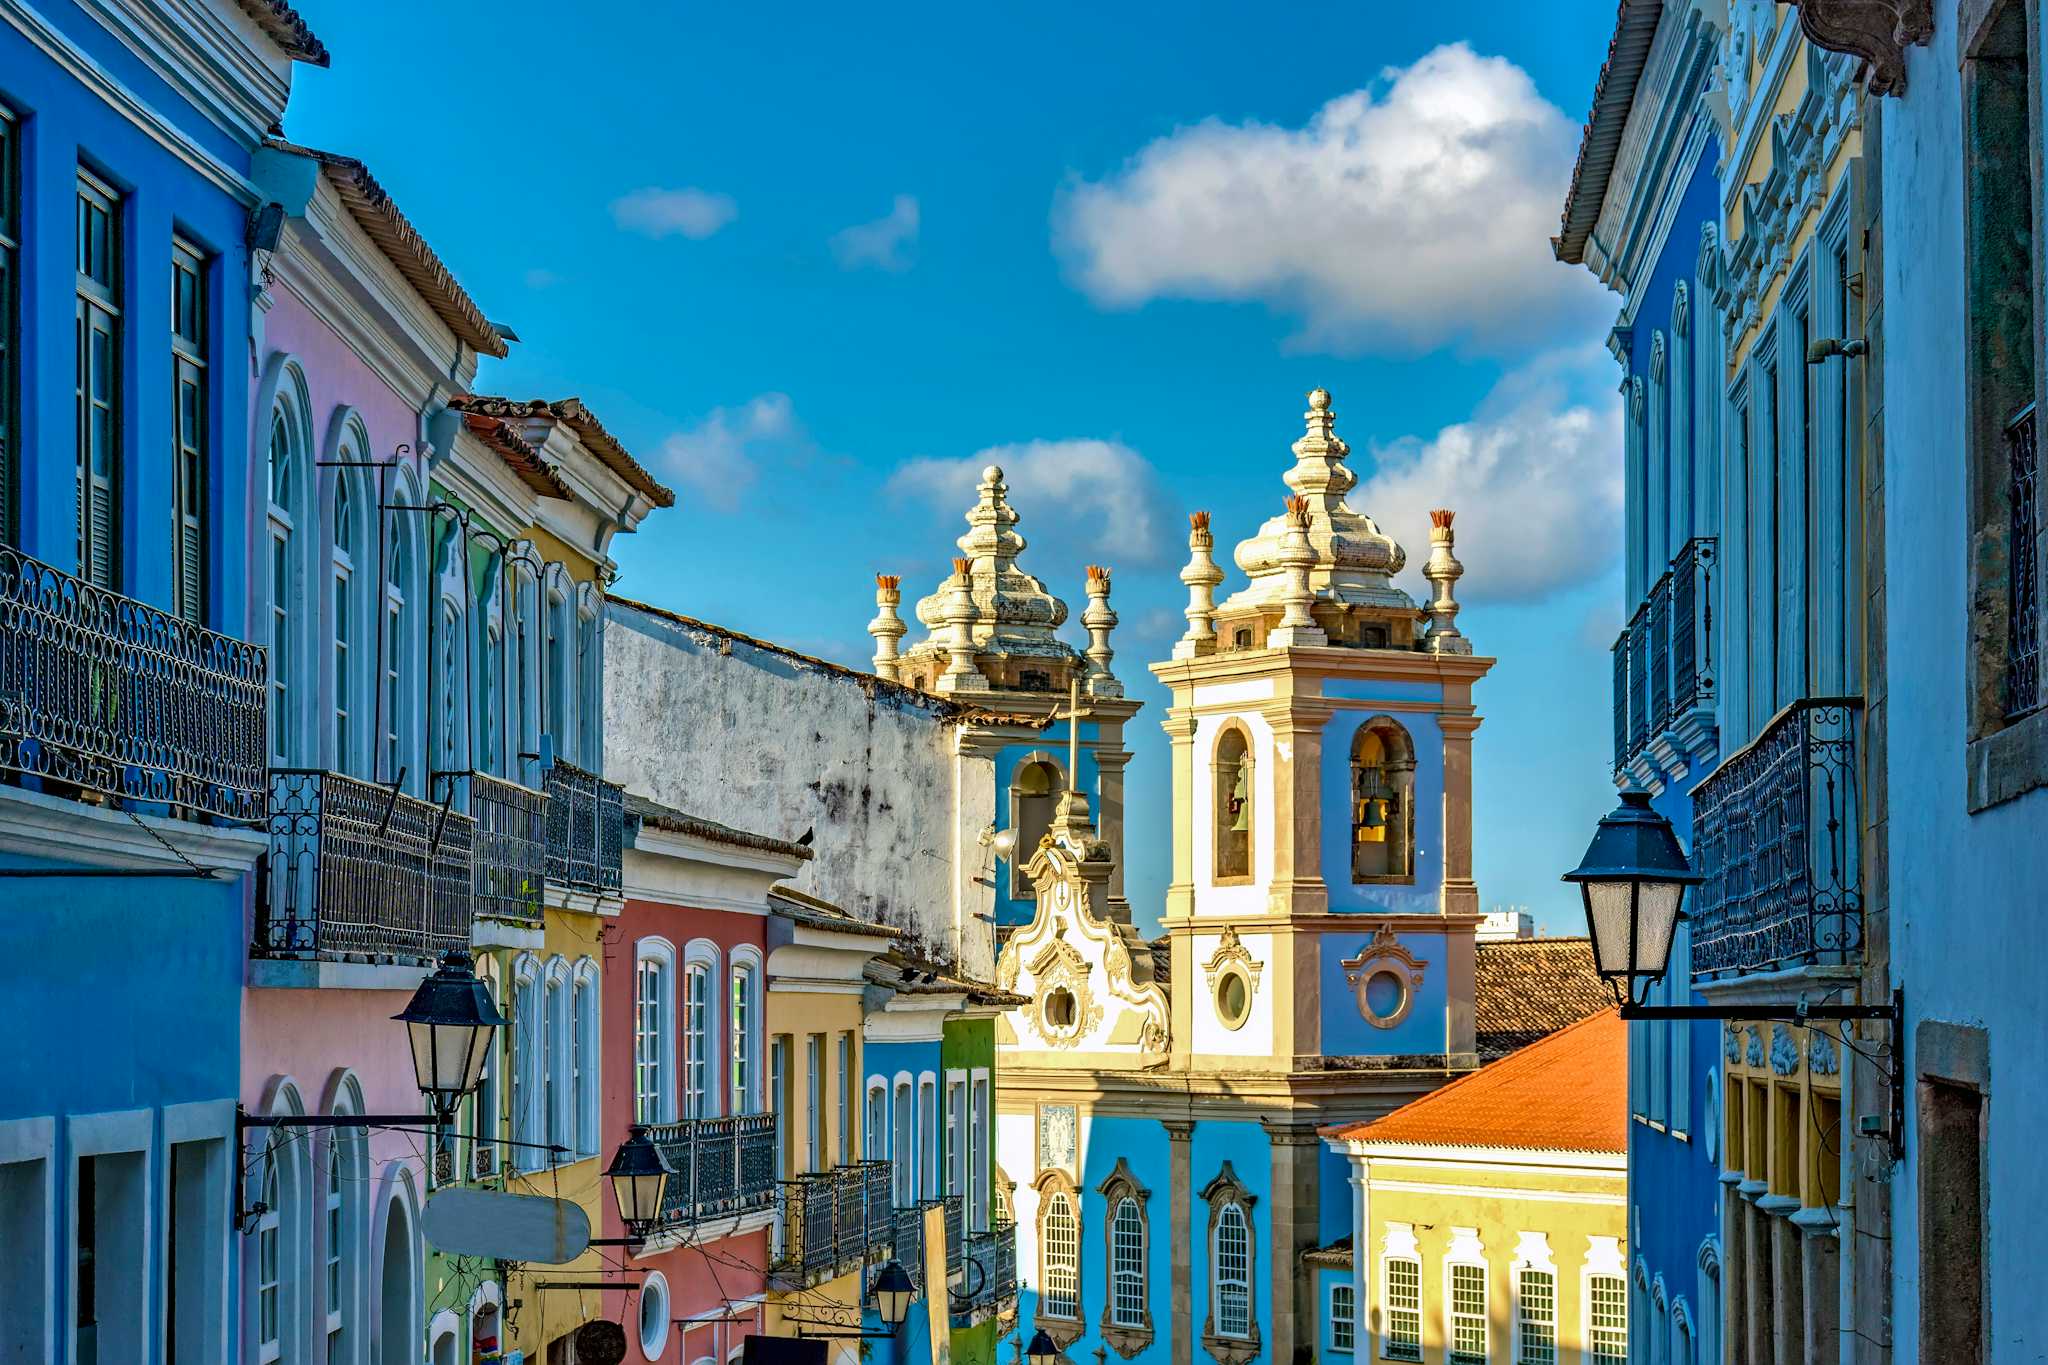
1357, 880
2009, 763
1127, 1341
1233, 1350
1234, 881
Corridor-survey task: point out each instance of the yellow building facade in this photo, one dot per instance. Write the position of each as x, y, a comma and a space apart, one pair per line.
1490, 1217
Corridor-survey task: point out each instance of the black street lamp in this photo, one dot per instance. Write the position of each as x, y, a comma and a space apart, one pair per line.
1043, 1350
893, 1292
1633, 878
639, 1174
449, 1022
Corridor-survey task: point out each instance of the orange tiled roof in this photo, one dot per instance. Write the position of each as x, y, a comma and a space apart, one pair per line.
1566, 1093
584, 423
1524, 989
518, 454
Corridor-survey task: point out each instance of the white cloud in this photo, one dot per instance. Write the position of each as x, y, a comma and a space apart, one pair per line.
1535, 478
1078, 501
720, 457
688, 212
1405, 215
884, 243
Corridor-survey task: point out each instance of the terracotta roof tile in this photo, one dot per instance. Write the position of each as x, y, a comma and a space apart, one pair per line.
1527, 988
668, 818
588, 429
1566, 1093
287, 28
402, 244
1634, 26
514, 449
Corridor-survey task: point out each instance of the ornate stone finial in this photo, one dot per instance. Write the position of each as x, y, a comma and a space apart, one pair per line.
1099, 620
961, 675
887, 627
1297, 557
1443, 572
1201, 575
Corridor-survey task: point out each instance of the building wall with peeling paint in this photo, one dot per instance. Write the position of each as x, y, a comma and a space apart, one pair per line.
774, 742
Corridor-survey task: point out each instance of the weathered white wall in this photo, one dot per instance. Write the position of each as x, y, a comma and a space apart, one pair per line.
1965, 890
773, 743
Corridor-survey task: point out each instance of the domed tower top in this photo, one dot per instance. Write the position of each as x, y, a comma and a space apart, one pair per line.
1352, 562
1010, 619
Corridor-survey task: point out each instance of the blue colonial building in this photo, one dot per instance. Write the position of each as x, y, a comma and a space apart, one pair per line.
1642, 215
132, 736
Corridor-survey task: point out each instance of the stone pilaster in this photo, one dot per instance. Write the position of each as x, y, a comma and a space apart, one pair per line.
1461, 892
1734, 1325
1293, 1314
1820, 1260
1181, 1221
1296, 885
1787, 1326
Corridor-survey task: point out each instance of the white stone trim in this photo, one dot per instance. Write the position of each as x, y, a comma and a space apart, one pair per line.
37, 825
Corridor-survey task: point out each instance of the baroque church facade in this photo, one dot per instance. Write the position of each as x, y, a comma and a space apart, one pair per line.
1160, 1101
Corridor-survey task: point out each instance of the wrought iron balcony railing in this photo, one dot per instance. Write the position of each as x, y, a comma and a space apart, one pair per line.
586, 828
1776, 831
720, 1166
2023, 589
1660, 655
1639, 679
988, 1282
360, 871
829, 1227
909, 1238
110, 696
510, 868
1692, 625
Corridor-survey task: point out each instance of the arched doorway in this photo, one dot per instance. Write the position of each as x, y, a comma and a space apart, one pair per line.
397, 1319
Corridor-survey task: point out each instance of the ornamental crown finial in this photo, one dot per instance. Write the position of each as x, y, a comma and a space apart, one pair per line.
1319, 398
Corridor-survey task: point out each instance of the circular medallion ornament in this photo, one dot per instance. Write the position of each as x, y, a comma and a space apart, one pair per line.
600, 1343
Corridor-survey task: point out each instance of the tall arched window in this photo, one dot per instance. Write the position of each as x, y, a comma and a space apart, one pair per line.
654, 1045
1033, 793
484, 1151
700, 971
526, 1060
1059, 1251
1127, 1265
489, 663
270, 1262
584, 1075
332, 1232
876, 1145
451, 720
556, 680
397, 719
285, 484
745, 1030
903, 1146
342, 589
1382, 803
927, 1129
556, 1105
1234, 813
1233, 1263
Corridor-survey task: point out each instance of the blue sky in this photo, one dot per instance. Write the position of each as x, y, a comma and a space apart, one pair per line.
815, 264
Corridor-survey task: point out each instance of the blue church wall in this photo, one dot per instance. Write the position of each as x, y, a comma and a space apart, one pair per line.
1423, 1029
1327, 1280
1338, 733
1333, 1195
1145, 1148
61, 126
1245, 1147
1016, 910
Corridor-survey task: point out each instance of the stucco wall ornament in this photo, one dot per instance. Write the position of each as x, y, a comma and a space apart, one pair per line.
1755, 1055
1784, 1052
1878, 31
1732, 1043
1386, 1004
1230, 949
1821, 1057
1063, 1008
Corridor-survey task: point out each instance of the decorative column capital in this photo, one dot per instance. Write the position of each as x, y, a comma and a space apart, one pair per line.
1878, 31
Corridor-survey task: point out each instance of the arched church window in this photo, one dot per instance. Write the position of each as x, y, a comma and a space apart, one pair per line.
1033, 793
1233, 804
1231, 1334
1382, 803
1127, 1312
1059, 1242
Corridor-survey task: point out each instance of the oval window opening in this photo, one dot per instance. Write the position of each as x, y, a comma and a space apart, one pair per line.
1233, 998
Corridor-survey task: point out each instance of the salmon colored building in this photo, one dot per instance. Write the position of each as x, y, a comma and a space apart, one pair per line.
1490, 1217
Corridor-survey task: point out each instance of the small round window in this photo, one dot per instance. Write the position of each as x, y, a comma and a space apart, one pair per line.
1060, 1009
1384, 997
654, 1315
1233, 998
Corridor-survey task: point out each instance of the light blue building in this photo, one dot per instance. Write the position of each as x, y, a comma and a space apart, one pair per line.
1642, 214
132, 734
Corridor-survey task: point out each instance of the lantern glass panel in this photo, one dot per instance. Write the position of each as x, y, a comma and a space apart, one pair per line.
1607, 918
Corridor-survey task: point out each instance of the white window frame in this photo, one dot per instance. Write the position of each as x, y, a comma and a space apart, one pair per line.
1343, 1318
843, 1089
527, 1051
1466, 1251
703, 1022
927, 1135
1532, 1256
1218, 1280
746, 1036
903, 1137
353, 658
1604, 1262
558, 1104
980, 1093
1399, 1246
875, 1136
287, 523
586, 1056
956, 1135
814, 1106
1068, 1268
654, 1055
1118, 1272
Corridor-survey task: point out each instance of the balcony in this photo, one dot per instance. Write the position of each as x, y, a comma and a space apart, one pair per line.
586, 829
112, 699
1664, 673
1660, 655
509, 870
1692, 636
834, 1222
1776, 830
1639, 680
721, 1168
359, 872
988, 1284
